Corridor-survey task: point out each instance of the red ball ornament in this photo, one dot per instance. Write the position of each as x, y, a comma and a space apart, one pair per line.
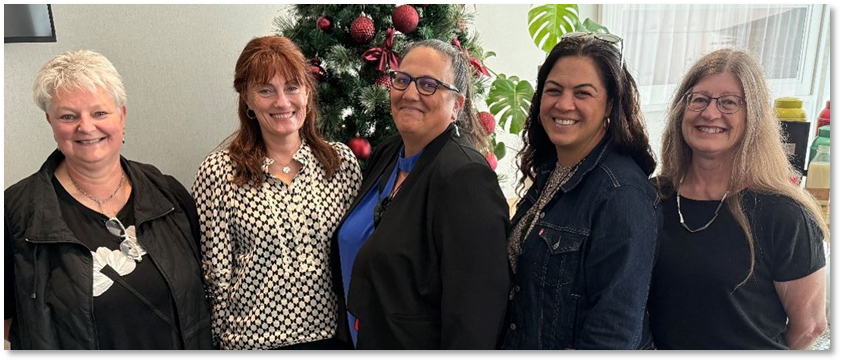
405, 19
492, 160
318, 72
360, 147
383, 81
324, 24
488, 121
362, 30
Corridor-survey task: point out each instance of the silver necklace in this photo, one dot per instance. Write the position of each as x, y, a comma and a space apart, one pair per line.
91, 197
682, 219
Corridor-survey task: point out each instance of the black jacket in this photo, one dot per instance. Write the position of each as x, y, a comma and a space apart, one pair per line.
53, 281
434, 274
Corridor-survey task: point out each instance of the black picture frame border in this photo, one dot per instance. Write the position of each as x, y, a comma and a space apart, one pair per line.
42, 39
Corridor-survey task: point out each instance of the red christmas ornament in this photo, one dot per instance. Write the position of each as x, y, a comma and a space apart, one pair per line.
316, 68
362, 30
405, 18
324, 24
488, 121
360, 147
492, 159
383, 81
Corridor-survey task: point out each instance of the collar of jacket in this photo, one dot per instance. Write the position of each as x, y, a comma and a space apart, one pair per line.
588, 164
149, 202
428, 157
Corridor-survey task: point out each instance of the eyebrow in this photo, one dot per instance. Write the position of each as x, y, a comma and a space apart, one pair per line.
727, 93
424, 75
577, 86
95, 107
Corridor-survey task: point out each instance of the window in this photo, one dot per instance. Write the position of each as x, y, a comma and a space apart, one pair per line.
662, 41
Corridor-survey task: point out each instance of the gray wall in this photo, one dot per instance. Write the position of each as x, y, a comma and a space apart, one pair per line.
177, 62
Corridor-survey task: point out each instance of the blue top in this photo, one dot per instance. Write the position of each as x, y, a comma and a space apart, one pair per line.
360, 225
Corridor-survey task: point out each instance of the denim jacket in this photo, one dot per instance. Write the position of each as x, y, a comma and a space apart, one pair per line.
584, 274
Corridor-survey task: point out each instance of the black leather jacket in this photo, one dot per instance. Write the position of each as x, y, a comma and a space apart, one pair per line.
53, 273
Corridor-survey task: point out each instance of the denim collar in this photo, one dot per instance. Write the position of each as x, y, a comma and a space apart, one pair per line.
589, 163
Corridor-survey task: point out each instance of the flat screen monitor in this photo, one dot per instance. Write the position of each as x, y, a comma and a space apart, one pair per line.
28, 23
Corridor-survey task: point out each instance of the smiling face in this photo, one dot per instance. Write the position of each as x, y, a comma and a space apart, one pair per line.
280, 107
423, 117
574, 104
87, 126
711, 132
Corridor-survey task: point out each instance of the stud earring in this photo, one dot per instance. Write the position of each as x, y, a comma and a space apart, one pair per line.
607, 123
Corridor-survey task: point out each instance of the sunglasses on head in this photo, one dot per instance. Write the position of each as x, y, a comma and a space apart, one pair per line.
606, 37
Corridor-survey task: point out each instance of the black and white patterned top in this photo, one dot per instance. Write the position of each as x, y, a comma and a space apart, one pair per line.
266, 250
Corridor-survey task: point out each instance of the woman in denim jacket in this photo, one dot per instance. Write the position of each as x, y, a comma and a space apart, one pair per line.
583, 242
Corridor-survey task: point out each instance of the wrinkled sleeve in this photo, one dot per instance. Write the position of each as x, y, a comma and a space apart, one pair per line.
795, 239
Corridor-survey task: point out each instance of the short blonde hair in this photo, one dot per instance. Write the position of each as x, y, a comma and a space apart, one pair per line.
82, 69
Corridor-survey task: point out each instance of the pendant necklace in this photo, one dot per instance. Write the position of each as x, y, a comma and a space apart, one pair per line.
91, 197
682, 219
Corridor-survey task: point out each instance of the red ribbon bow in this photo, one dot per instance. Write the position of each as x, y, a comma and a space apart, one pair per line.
384, 53
479, 67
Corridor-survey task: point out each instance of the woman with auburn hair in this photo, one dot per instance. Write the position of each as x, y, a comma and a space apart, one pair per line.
269, 203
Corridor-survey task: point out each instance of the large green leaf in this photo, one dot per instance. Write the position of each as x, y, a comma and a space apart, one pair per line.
547, 23
509, 100
591, 26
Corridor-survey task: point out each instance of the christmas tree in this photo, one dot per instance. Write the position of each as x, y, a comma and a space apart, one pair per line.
352, 47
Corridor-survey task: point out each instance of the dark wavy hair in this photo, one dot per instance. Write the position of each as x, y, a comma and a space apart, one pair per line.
262, 59
627, 129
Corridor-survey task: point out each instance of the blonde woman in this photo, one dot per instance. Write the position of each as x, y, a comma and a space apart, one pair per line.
740, 262
101, 252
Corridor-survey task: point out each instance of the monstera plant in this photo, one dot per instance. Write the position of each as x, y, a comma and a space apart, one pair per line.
548, 23
509, 99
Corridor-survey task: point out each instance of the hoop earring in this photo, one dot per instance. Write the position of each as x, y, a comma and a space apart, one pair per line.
607, 123
251, 114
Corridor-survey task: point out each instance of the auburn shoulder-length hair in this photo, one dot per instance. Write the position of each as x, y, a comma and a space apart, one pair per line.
262, 59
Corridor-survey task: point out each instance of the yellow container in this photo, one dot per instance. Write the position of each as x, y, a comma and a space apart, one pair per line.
790, 109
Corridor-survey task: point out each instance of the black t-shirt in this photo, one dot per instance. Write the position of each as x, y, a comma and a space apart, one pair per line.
693, 301
123, 321
8, 274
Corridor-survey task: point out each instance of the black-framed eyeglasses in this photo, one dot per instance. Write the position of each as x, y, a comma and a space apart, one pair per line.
129, 246
425, 85
728, 104
606, 37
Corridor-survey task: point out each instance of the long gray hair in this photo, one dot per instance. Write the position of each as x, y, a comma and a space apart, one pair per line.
759, 162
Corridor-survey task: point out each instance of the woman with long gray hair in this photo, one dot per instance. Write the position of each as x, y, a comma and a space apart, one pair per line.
740, 262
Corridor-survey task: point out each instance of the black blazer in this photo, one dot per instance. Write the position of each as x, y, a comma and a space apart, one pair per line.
434, 274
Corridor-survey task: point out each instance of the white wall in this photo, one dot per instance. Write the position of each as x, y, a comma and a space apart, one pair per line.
177, 63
